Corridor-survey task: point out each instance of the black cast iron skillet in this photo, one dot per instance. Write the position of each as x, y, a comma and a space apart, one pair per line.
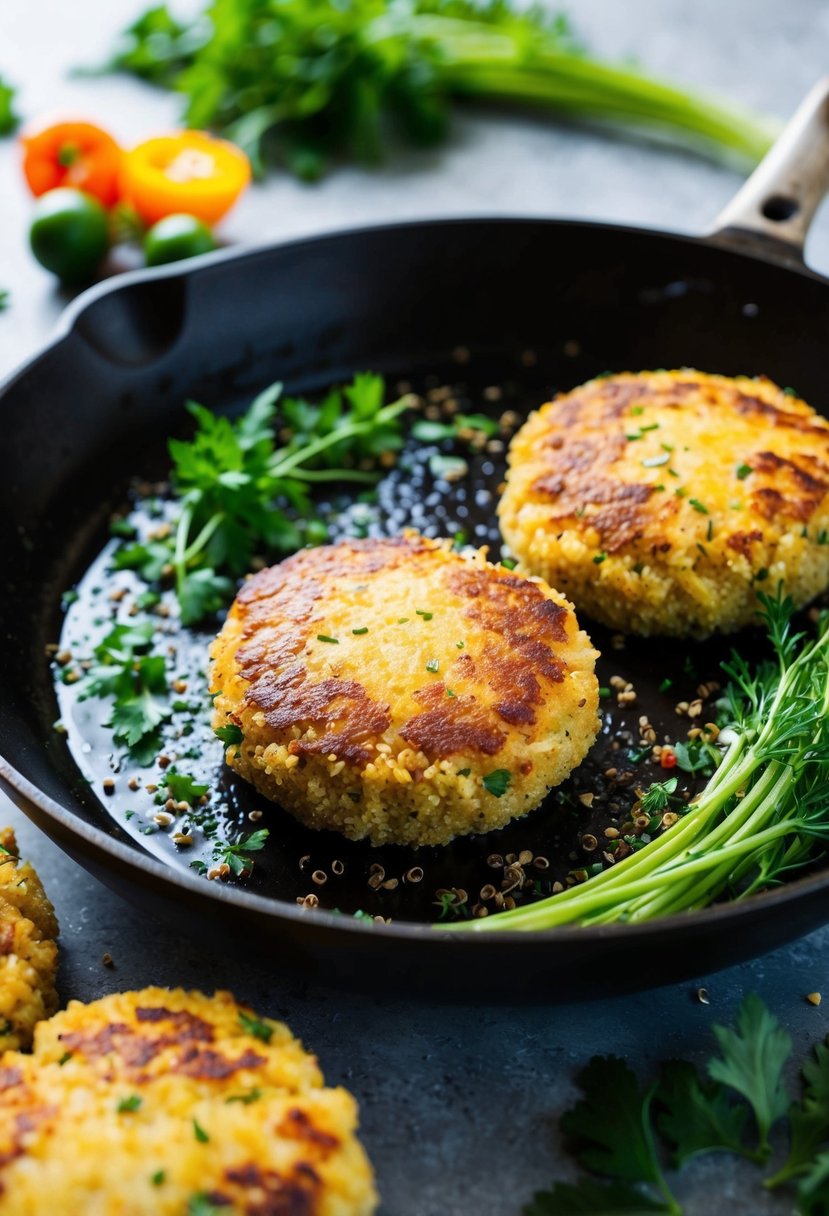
398, 299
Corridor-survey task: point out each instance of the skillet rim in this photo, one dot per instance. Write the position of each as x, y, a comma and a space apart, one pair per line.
146, 871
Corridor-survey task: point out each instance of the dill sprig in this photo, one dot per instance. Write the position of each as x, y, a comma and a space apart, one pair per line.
762, 815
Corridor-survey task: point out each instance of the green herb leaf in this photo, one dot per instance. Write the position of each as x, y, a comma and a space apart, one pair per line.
8, 118
813, 1192
590, 1198
809, 1120
610, 1128
237, 854
182, 787
754, 1055
697, 1117
199, 1132
241, 494
658, 796
498, 782
322, 98
127, 1105
255, 1026
253, 1095
231, 735
158, 1178
200, 1205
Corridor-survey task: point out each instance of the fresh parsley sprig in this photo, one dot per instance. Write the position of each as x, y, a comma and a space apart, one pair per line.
136, 683
241, 492
300, 84
623, 1134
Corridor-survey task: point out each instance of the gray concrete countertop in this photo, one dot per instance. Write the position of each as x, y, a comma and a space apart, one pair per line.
459, 1106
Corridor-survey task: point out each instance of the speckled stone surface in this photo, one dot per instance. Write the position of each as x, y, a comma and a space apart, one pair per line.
460, 1105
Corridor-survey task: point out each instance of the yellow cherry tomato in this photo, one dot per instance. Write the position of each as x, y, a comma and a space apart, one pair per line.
188, 172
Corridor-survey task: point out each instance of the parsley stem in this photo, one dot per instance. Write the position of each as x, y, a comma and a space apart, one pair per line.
365, 477
350, 430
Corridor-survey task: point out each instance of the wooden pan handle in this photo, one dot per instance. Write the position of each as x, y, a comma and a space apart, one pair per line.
770, 216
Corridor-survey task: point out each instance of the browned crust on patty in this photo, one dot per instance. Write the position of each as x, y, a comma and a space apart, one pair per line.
513, 610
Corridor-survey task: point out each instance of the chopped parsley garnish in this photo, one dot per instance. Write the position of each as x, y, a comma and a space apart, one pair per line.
403, 620
236, 855
199, 1132
253, 1095
231, 735
604, 693
432, 665
498, 782
666, 684
158, 1178
65, 1058
200, 1205
450, 692
599, 558
761, 575
182, 787
323, 637
460, 645
255, 1026
710, 532
743, 471
509, 563
427, 616
127, 1105
698, 506
359, 632
464, 772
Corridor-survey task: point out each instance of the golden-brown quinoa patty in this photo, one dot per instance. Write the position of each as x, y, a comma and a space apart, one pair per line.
661, 502
28, 952
399, 690
167, 1103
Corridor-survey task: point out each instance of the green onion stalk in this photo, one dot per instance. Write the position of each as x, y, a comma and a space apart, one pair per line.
485, 63
760, 817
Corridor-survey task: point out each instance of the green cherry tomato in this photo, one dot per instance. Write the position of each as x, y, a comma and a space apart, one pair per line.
176, 237
69, 234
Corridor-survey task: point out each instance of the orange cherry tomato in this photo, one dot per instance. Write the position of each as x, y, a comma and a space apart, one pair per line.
668, 758
76, 154
189, 172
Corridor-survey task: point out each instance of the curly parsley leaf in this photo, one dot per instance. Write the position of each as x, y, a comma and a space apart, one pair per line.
610, 1128
808, 1120
695, 1116
753, 1056
151, 559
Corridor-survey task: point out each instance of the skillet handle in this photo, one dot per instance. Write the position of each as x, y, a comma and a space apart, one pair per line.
770, 216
